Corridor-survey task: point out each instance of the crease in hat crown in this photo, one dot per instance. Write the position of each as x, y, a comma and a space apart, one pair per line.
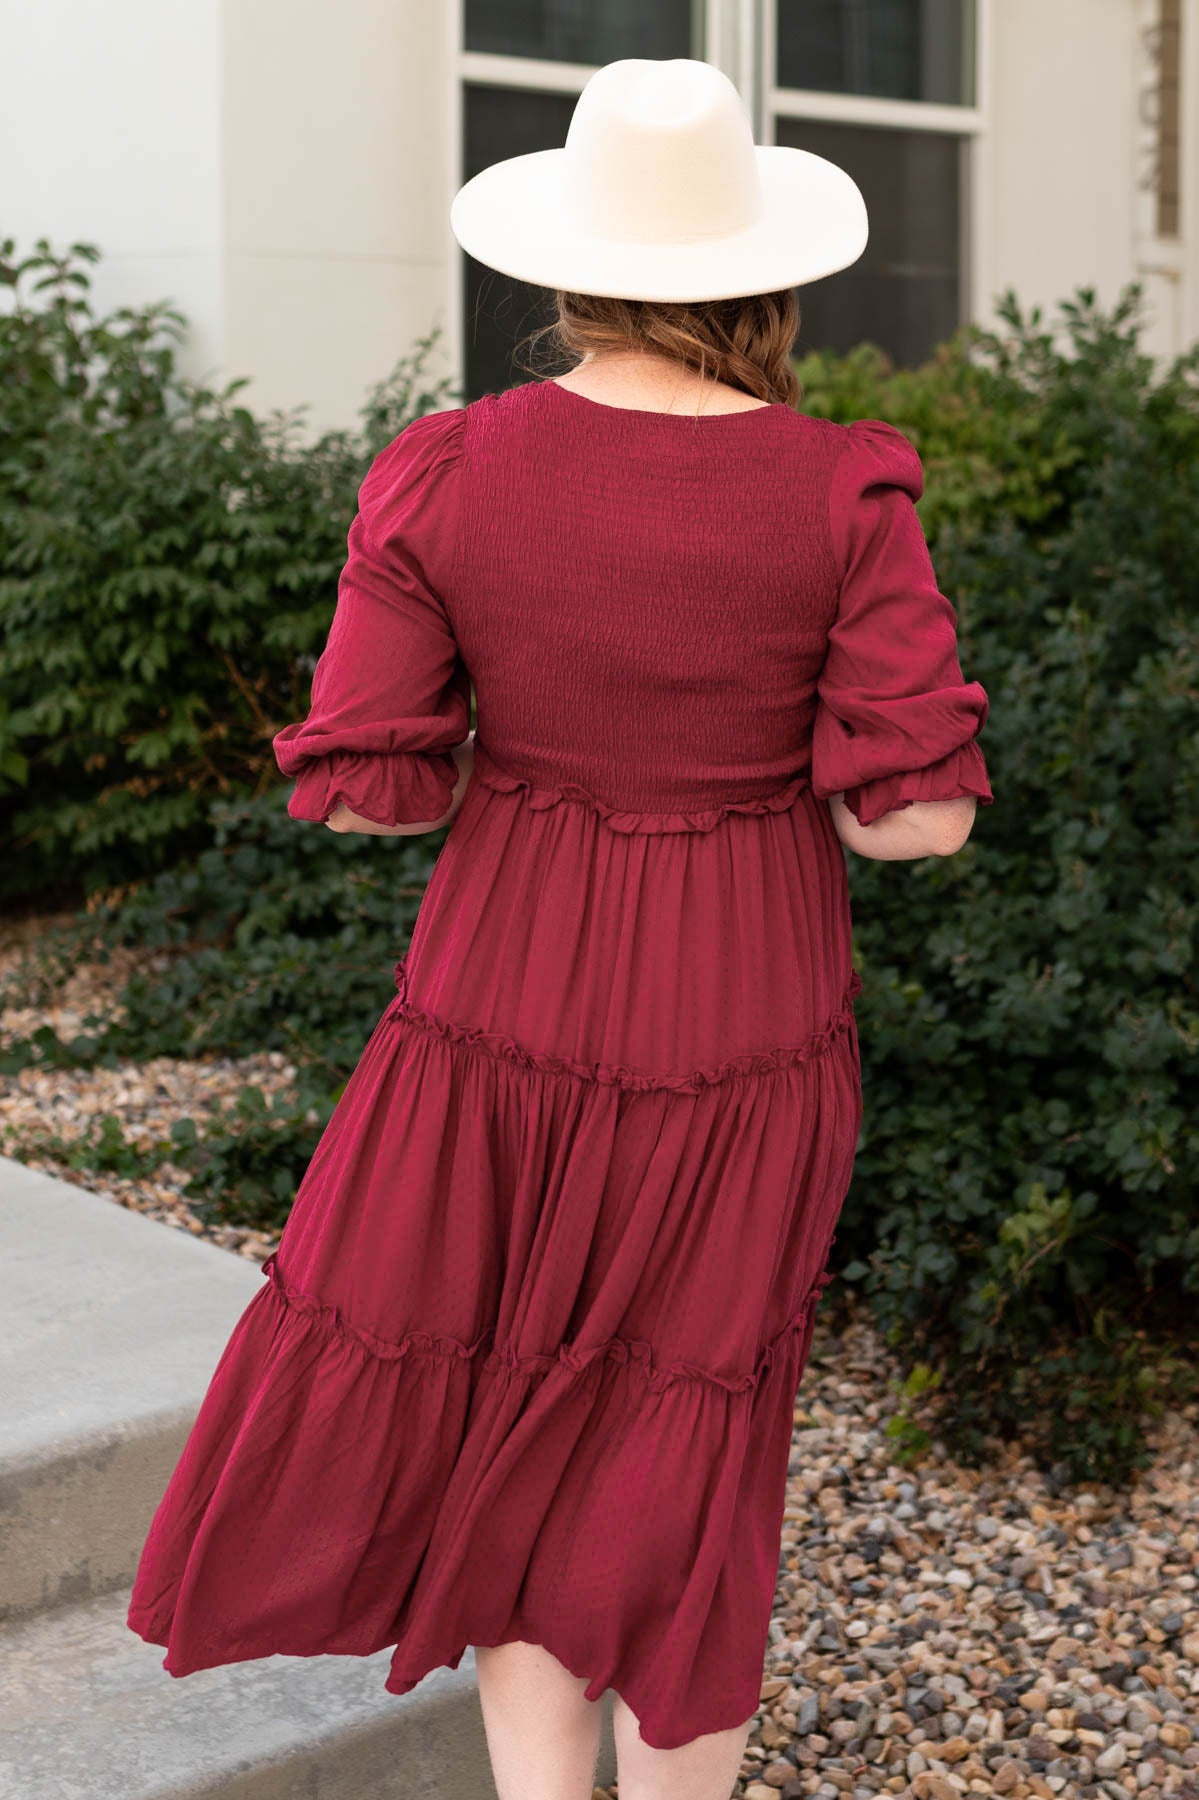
661, 152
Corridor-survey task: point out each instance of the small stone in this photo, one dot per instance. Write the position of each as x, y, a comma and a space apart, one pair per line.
778, 1773
865, 1721
934, 1787
1111, 1759
809, 1716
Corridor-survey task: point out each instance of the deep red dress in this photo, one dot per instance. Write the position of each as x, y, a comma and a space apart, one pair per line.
523, 1364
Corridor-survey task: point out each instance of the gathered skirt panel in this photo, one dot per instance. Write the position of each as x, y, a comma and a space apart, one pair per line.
659, 951
524, 1361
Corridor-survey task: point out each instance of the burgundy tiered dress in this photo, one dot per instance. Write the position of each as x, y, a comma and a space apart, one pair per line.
524, 1361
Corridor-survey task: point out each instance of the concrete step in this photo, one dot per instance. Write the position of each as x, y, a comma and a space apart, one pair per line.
90, 1714
111, 1328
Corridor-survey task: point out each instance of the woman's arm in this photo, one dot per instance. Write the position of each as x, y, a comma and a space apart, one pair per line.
925, 828
342, 819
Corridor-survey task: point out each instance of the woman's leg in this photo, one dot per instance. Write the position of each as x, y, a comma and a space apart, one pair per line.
704, 1769
543, 1737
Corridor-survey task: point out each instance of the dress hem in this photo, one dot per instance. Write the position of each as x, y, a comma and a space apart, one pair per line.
143, 1625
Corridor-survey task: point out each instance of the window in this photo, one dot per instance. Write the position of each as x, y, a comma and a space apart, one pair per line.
499, 122
886, 88
579, 31
894, 49
905, 290
523, 65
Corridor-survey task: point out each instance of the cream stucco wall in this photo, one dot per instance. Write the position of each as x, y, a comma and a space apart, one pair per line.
335, 185
110, 134
1062, 101
1068, 95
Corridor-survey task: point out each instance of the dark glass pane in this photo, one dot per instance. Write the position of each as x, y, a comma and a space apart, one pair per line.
581, 31
500, 122
904, 291
895, 49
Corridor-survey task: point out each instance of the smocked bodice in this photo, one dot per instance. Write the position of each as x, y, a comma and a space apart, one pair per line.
666, 617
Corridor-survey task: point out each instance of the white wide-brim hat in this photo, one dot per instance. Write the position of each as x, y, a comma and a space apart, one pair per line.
660, 193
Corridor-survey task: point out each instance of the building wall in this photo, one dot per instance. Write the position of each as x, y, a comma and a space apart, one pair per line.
1072, 104
335, 190
1062, 111
282, 172
110, 134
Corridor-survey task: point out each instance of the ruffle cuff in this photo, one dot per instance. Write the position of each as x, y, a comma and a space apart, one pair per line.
398, 787
962, 773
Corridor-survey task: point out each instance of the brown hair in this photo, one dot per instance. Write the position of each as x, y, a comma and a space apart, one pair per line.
746, 342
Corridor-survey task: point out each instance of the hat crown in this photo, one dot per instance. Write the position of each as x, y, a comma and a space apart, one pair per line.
662, 152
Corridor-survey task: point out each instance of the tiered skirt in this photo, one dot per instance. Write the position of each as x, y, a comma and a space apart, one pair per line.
523, 1364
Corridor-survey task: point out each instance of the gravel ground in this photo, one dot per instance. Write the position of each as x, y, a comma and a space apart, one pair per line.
146, 1097
937, 1630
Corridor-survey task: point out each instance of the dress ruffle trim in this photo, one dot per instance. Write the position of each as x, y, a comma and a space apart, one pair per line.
399, 787
960, 774
539, 798
499, 1044
637, 1353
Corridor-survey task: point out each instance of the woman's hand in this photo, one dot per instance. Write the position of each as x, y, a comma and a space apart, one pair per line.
342, 819
925, 828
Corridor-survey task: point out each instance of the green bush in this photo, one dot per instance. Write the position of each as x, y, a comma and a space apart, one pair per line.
276, 937
1023, 1210
166, 566
1022, 1218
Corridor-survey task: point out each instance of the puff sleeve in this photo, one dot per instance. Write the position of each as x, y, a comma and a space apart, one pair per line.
895, 720
390, 692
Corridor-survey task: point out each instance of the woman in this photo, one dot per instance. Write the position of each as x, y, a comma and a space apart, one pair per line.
522, 1374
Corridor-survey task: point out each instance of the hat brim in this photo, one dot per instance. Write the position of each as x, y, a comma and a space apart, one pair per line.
514, 217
